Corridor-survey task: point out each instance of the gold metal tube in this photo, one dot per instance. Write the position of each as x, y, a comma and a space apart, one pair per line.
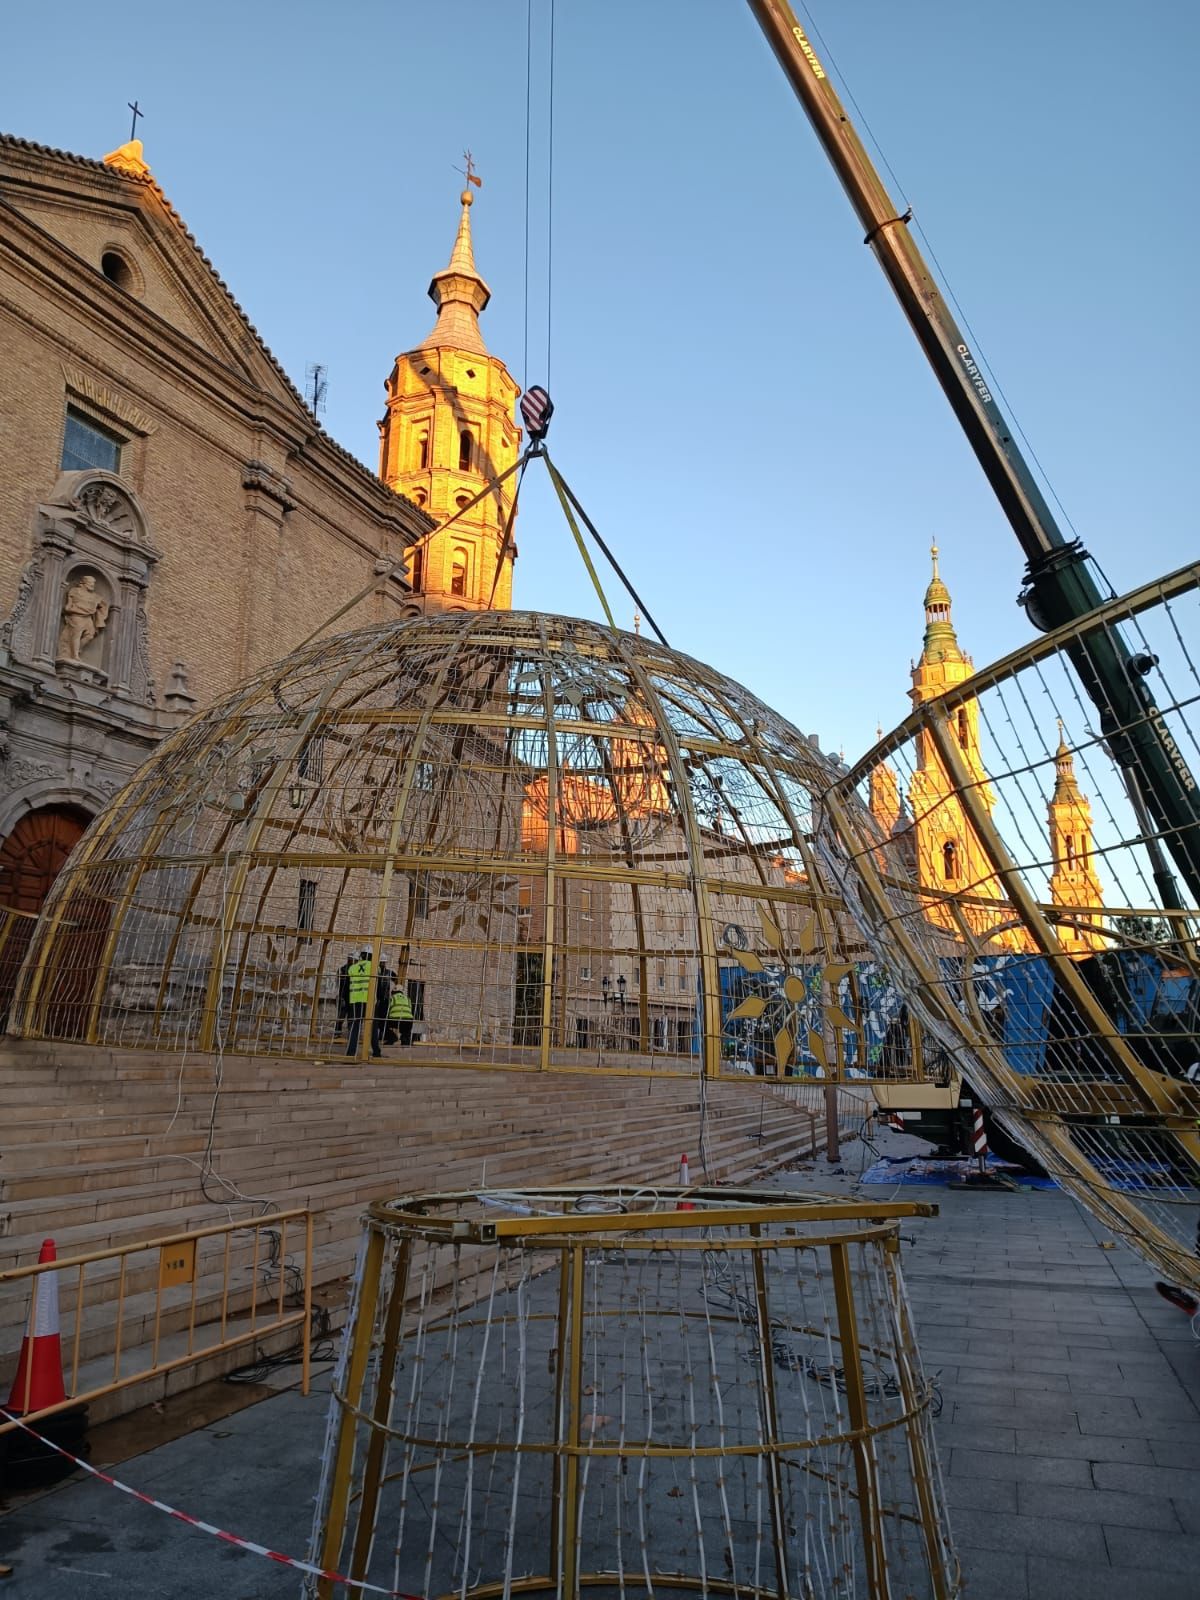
343, 1463
254, 1279
380, 1414
560, 1383
120, 1321
769, 1413
865, 1468
306, 1337
570, 1502
79, 1291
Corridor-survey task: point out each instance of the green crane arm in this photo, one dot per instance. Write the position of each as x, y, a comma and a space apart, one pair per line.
1060, 585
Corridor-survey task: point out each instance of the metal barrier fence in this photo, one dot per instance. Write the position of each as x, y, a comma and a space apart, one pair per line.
208, 1290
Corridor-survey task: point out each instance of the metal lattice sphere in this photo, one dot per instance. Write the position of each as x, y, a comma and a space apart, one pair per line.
1021, 885
563, 845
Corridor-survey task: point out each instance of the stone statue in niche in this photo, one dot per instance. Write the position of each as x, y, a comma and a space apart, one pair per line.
83, 618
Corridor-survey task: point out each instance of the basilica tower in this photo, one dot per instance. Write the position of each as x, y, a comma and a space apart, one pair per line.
1075, 884
447, 433
949, 858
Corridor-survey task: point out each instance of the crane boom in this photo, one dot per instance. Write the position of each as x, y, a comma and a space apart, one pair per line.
1060, 584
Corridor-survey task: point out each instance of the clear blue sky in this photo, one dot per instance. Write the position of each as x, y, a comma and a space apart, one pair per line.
741, 406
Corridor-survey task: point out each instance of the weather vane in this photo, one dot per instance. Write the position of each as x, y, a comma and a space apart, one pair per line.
137, 112
469, 170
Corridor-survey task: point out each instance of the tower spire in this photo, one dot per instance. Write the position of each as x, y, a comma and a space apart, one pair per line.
447, 432
459, 293
940, 637
1066, 785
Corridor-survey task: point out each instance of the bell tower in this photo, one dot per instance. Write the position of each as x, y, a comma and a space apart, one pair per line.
949, 858
447, 433
1074, 883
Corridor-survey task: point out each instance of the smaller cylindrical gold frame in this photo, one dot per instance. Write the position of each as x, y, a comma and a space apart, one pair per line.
618, 1390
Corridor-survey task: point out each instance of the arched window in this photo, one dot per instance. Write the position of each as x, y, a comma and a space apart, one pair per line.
964, 727
458, 573
417, 571
950, 861
1070, 843
117, 270
465, 450
423, 450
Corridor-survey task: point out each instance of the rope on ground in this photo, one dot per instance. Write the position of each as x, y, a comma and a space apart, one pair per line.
207, 1527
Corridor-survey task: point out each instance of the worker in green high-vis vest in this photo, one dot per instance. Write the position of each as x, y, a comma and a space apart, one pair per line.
359, 977
400, 1014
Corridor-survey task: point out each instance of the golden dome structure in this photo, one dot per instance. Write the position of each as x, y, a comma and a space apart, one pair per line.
1074, 1016
572, 847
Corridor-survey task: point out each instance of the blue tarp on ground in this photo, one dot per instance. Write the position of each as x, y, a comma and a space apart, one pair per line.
925, 1170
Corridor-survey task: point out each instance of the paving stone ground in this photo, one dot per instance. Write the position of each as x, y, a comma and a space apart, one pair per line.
1070, 1434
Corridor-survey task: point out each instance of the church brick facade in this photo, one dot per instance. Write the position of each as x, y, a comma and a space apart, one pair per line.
172, 516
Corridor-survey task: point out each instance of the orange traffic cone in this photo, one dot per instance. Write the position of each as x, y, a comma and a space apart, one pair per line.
39, 1379
684, 1182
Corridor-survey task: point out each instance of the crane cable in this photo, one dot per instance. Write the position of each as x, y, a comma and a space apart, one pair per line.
529, 184
561, 491
565, 495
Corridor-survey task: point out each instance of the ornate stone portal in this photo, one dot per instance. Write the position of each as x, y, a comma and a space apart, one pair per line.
78, 707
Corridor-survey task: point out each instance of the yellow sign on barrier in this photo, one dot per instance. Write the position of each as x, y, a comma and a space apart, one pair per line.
212, 1291
177, 1263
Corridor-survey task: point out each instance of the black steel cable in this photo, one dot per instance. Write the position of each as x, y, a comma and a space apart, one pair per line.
550, 205
607, 553
528, 124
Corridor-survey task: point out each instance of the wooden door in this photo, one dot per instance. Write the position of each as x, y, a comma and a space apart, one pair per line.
30, 859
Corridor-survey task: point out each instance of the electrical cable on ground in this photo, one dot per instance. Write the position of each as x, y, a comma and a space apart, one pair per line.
718, 1279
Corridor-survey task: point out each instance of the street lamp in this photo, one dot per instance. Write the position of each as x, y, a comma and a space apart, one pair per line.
608, 996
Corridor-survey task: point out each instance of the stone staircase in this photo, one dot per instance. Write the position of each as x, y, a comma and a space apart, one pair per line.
101, 1147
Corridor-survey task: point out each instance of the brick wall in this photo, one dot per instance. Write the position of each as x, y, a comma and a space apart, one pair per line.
252, 560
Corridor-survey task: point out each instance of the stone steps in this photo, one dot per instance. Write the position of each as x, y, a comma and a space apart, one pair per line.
82, 1193
46, 1168
103, 1147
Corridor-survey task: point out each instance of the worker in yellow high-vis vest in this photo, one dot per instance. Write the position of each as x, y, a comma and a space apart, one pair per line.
359, 977
400, 1014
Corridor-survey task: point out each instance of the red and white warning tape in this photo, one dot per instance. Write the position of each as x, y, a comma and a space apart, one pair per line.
207, 1527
